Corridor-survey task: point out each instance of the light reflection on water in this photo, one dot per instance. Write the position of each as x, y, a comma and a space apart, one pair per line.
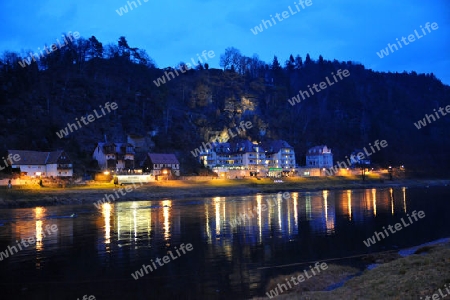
129, 223
276, 231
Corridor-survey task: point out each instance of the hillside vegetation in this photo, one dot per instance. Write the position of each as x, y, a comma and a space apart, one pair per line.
39, 100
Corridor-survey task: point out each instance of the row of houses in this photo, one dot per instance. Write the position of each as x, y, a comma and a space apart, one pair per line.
232, 159
242, 157
266, 159
121, 158
271, 159
117, 158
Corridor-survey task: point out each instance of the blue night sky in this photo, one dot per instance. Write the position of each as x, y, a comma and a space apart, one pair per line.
174, 31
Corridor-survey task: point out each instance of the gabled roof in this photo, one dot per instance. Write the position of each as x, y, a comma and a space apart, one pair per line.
28, 157
318, 150
243, 146
222, 147
275, 146
116, 146
163, 158
54, 156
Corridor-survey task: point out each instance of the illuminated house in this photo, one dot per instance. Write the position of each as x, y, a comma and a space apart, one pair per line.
319, 157
274, 156
235, 155
46, 164
280, 157
157, 163
117, 157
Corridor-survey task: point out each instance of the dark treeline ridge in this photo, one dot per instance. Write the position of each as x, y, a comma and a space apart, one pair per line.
39, 100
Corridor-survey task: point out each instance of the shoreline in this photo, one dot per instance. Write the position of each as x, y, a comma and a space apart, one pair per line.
30, 196
422, 271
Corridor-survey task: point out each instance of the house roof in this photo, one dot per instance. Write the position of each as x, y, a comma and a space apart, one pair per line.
245, 146
28, 157
275, 146
318, 150
163, 158
116, 146
222, 147
53, 157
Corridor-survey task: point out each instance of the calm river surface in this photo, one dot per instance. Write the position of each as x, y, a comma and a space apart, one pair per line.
95, 252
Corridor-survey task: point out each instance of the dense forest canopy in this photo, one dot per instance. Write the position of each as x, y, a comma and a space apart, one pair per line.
39, 99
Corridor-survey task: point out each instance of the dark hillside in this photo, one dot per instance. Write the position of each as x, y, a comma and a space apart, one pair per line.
40, 99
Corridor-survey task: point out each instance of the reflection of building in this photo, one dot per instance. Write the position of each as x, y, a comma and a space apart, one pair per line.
38, 227
319, 210
330, 212
319, 157
263, 215
117, 157
127, 222
47, 164
270, 219
358, 205
268, 216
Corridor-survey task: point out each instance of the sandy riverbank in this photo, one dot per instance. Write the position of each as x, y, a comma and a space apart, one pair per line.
29, 196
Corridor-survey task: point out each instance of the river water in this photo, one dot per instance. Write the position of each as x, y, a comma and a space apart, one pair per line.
95, 251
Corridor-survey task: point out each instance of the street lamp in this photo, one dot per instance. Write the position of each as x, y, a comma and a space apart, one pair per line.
403, 171
165, 173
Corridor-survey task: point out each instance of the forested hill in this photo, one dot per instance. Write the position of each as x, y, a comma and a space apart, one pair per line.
39, 100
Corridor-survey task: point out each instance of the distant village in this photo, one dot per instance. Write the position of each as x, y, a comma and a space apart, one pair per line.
239, 159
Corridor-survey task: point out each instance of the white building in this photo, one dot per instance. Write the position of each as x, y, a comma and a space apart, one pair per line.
208, 158
236, 155
280, 158
270, 158
46, 164
319, 157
